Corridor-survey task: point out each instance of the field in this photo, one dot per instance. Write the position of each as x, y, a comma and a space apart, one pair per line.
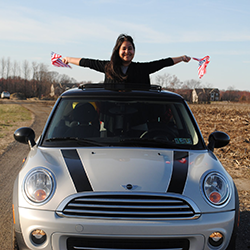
12, 116
234, 119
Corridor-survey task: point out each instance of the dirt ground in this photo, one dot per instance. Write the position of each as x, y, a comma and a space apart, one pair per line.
233, 119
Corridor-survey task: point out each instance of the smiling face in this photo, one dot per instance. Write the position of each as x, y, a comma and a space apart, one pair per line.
126, 53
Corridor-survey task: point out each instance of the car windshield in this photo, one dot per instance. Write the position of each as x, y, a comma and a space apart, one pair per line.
142, 123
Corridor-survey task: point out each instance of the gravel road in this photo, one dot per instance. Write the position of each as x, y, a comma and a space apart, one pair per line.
10, 164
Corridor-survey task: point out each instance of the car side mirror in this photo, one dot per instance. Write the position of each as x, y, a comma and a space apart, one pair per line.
218, 139
25, 135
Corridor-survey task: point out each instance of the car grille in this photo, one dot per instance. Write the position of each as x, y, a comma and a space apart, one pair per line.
87, 243
127, 206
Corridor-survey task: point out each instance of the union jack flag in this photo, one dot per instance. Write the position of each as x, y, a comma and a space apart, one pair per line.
56, 61
202, 65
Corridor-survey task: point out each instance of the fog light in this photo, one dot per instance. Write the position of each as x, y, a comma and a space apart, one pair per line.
215, 239
38, 236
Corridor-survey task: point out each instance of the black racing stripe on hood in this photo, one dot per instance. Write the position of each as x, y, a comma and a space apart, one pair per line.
76, 170
179, 174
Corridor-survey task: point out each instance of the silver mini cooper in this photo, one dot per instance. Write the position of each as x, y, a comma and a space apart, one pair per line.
123, 167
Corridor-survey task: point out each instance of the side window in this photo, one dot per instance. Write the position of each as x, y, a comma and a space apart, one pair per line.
187, 130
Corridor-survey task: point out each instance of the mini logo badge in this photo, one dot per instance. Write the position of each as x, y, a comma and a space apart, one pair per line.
129, 186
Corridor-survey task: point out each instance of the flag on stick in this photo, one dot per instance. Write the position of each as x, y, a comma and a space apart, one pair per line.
202, 65
56, 61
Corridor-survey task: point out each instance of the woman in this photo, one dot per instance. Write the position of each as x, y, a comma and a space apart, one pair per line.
121, 68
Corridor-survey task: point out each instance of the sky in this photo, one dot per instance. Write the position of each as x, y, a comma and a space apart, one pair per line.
30, 30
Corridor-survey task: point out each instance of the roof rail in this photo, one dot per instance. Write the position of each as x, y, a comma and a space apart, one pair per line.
120, 86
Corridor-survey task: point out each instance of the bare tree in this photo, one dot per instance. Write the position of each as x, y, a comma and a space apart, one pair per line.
26, 70
44, 80
168, 81
208, 85
232, 94
42, 72
8, 68
192, 84
15, 69
30, 79
65, 79
3, 66
73, 80
52, 77
35, 68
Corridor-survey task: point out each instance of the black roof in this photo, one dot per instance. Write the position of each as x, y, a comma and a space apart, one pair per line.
125, 90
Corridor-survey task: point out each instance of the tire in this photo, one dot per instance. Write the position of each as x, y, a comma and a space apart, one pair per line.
15, 245
232, 243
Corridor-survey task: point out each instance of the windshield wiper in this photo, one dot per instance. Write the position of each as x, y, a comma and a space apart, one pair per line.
76, 139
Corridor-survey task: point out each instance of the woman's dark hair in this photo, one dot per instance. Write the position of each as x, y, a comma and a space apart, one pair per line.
113, 68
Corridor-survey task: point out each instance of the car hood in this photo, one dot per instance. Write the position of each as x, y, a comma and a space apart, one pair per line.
125, 169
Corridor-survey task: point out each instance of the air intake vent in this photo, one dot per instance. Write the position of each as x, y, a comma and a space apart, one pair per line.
87, 243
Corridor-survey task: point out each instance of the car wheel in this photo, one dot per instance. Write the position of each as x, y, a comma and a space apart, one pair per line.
232, 243
15, 245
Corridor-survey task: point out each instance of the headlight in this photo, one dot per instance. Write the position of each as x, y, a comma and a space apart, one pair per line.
39, 185
216, 189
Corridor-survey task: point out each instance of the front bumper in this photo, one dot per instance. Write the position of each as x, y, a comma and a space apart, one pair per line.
60, 229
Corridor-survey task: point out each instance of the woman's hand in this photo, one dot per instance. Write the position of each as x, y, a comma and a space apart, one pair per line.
185, 58
181, 59
65, 60
72, 60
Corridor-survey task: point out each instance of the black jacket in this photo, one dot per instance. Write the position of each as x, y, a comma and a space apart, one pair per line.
137, 72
